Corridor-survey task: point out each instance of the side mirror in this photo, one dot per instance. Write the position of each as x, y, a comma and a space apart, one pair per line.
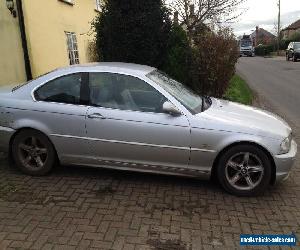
170, 109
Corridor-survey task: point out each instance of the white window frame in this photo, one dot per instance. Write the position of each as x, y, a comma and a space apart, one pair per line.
68, 1
98, 5
72, 47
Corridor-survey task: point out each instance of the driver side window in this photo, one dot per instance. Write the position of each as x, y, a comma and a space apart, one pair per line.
124, 92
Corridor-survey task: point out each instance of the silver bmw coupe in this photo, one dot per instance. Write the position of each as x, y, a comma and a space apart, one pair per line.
134, 117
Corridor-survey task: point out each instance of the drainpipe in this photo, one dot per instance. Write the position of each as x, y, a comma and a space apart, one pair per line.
24, 40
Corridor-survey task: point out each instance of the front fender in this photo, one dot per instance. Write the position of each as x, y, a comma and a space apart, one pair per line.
206, 145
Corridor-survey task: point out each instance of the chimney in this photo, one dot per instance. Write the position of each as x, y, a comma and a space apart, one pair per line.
176, 17
192, 9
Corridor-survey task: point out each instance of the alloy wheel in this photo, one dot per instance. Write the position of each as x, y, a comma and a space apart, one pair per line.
244, 171
32, 153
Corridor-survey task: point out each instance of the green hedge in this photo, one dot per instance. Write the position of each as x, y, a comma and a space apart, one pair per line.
264, 50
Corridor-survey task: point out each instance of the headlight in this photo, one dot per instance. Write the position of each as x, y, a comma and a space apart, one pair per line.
286, 145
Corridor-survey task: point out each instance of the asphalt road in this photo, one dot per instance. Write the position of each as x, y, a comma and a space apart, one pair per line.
277, 82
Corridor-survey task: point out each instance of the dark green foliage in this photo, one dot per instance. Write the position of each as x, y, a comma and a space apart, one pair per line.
178, 55
133, 31
264, 50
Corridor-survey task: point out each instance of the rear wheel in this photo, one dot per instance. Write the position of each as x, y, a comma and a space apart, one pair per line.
244, 170
33, 153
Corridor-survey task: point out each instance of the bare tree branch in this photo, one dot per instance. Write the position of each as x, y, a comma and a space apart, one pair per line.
205, 11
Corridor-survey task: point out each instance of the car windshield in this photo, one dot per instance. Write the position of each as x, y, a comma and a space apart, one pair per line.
297, 45
187, 97
246, 43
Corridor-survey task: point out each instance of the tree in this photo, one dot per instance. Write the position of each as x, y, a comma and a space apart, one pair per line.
195, 12
133, 31
178, 55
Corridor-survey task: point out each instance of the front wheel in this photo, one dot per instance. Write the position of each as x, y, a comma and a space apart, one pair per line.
244, 170
294, 58
33, 153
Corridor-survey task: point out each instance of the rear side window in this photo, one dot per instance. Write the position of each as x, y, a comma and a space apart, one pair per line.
65, 89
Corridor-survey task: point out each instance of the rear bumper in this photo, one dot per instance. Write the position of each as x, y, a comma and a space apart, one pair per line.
285, 162
5, 136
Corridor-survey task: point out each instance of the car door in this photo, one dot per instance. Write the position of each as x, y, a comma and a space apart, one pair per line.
127, 128
61, 111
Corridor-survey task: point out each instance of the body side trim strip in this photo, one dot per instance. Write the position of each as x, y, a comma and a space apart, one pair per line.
133, 143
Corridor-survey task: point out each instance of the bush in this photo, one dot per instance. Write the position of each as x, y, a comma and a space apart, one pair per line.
141, 32
213, 62
284, 43
133, 31
178, 58
264, 50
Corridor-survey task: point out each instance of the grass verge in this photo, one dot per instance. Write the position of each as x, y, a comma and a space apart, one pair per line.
238, 91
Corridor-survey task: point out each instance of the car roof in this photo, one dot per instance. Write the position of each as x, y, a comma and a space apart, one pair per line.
111, 67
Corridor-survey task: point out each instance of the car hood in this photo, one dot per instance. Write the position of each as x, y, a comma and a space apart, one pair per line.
6, 89
234, 117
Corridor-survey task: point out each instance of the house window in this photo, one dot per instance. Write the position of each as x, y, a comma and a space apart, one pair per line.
72, 48
98, 5
68, 1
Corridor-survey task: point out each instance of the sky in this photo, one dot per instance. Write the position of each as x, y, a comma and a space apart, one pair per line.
263, 13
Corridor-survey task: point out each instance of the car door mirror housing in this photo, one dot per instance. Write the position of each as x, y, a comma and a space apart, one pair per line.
169, 108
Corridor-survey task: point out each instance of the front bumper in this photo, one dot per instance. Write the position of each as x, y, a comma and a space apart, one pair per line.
246, 53
285, 162
5, 136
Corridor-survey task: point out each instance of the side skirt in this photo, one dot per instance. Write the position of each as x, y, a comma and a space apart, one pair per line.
145, 168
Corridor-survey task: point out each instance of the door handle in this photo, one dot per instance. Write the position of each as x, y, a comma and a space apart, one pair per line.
96, 116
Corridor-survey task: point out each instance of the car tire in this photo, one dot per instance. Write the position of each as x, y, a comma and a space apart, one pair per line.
294, 58
234, 170
33, 153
